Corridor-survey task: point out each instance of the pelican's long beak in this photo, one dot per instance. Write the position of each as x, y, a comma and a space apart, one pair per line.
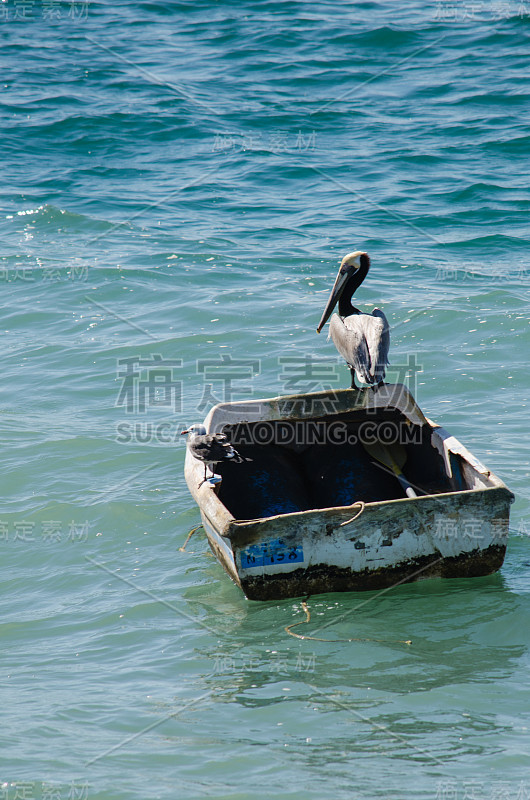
338, 288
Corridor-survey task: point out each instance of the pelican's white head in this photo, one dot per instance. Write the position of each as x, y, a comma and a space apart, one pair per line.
352, 262
352, 272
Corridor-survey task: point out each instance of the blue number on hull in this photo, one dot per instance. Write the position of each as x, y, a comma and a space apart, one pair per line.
275, 551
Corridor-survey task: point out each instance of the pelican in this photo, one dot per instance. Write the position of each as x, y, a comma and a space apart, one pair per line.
210, 448
362, 340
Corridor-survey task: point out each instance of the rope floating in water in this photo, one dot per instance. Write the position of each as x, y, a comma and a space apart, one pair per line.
318, 639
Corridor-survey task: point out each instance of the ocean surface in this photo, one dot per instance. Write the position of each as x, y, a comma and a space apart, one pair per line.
179, 183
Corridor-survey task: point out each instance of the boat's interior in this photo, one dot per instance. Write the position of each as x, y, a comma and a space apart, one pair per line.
297, 465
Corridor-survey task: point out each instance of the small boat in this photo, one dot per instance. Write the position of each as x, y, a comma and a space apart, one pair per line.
311, 510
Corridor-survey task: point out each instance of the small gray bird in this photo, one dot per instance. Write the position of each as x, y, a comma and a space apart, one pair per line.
210, 448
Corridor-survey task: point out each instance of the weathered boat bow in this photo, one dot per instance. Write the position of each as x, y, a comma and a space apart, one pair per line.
311, 514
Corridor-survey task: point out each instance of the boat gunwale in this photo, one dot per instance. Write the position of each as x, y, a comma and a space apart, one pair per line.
373, 505
358, 400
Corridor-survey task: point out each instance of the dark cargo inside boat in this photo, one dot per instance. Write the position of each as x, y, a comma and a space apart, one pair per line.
301, 464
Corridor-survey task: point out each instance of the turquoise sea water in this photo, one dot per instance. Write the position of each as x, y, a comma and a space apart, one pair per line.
179, 183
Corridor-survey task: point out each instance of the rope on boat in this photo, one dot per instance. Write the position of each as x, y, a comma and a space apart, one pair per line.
188, 537
318, 639
358, 514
